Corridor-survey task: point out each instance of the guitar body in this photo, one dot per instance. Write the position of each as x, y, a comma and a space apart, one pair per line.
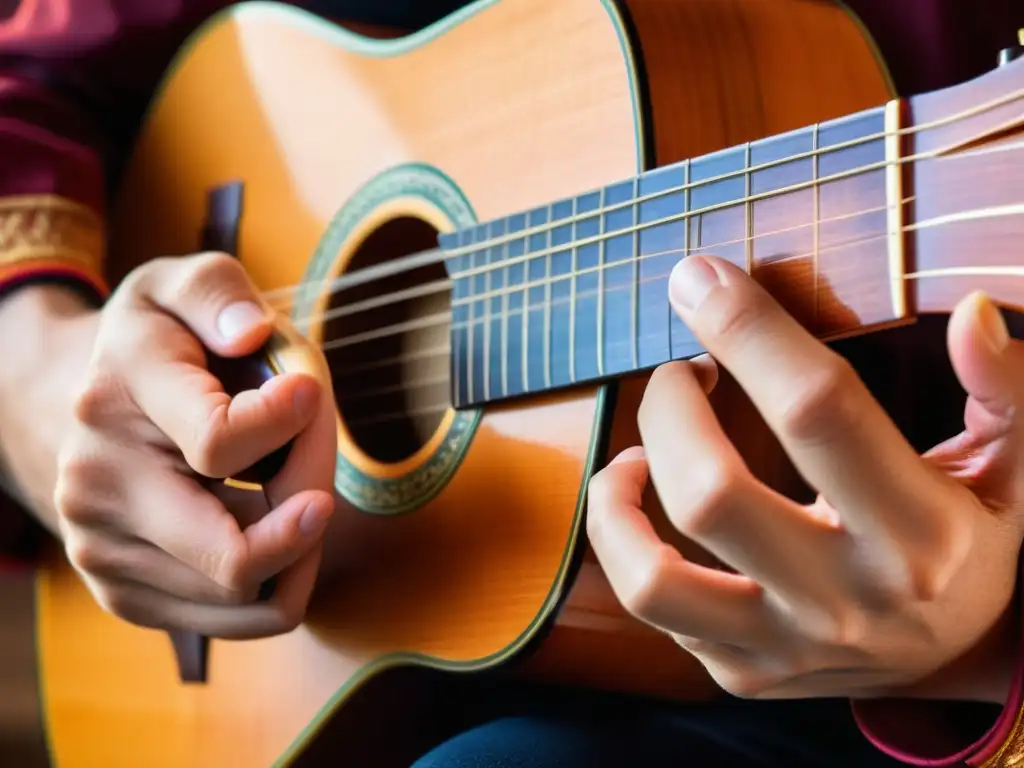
464, 546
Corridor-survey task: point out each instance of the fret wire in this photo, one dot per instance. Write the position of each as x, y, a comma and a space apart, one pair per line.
444, 318
748, 213
600, 288
505, 310
807, 254
547, 303
687, 199
524, 344
572, 303
894, 208
635, 295
881, 135
470, 341
487, 329
435, 255
816, 262
760, 196
721, 206
686, 249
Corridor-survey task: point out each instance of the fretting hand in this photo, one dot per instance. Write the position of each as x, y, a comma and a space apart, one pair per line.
139, 505
902, 565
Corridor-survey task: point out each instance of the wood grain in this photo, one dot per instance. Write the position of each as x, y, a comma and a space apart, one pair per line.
524, 102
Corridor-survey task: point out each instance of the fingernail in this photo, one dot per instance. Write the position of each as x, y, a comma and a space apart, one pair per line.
239, 319
313, 520
991, 323
691, 280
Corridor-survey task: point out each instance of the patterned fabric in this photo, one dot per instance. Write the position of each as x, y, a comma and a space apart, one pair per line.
75, 76
52, 237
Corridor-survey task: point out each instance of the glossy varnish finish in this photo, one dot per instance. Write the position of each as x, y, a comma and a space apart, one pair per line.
524, 102
764, 85
306, 124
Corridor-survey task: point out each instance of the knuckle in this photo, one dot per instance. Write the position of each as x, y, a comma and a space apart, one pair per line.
87, 555
844, 629
101, 397
230, 567
740, 683
77, 476
134, 283
826, 402
206, 272
119, 603
717, 487
642, 597
915, 580
209, 453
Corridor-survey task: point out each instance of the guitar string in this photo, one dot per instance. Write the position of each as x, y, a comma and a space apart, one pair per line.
443, 319
438, 352
639, 228
435, 255
439, 286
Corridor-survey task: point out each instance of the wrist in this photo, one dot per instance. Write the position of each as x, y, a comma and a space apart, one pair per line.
46, 334
984, 673
948, 719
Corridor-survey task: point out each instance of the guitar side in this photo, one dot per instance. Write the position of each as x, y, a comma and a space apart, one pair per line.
460, 554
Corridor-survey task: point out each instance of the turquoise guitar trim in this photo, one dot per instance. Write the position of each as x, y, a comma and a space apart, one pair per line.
383, 48
298, 18
369, 493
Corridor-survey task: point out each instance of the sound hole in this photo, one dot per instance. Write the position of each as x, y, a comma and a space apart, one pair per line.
387, 344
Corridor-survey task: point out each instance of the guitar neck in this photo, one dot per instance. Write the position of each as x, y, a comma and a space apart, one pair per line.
853, 225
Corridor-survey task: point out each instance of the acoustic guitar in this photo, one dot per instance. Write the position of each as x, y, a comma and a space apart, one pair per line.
476, 224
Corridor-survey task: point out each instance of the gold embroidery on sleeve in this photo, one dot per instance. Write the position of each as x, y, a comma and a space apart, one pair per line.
1011, 753
37, 228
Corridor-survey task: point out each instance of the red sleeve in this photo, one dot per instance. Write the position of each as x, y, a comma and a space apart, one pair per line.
75, 76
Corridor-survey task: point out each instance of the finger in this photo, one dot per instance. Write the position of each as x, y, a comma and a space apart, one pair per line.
313, 458
837, 435
151, 608
107, 559
652, 580
218, 435
989, 365
212, 295
192, 525
711, 497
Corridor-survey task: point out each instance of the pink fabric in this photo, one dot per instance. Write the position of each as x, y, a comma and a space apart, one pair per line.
924, 733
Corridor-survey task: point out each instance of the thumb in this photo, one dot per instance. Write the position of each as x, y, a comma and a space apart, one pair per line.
212, 295
989, 365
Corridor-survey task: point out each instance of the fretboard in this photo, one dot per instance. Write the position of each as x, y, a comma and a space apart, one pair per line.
577, 291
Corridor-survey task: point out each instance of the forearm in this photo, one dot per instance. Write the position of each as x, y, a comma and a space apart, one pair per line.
44, 343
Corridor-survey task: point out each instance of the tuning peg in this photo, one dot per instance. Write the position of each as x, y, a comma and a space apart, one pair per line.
1014, 52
